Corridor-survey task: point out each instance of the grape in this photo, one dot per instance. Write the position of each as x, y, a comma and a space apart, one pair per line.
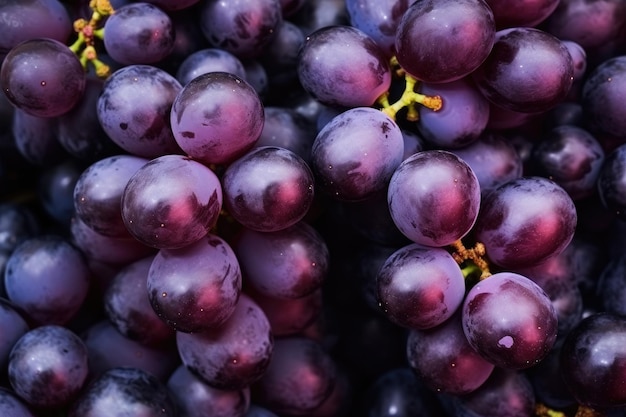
460, 121
526, 221
434, 197
42, 77
56, 190
194, 398
234, 355
12, 327
98, 193
48, 366
521, 13
128, 307
268, 189
281, 53
572, 158
289, 263
528, 71
133, 391
493, 159
35, 138
195, 288
591, 362
286, 128
17, 224
610, 285
357, 79
257, 411
378, 19
134, 109
217, 117
173, 5
47, 278
440, 41
139, 33
299, 378
171, 202
209, 60
611, 183
318, 14
13, 406
420, 287
243, 27
601, 97
509, 320
356, 153
108, 349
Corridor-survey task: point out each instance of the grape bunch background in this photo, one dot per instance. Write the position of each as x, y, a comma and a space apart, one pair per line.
257, 208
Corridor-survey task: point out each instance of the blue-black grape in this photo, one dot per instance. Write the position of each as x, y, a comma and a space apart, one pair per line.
48, 366
48, 278
139, 33
611, 182
525, 221
12, 327
42, 77
420, 287
357, 79
209, 60
234, 355
217, 117
195, 288
530, 13
287, 128
509, 320
268, 189
134, 109
444, 40
171, 202
133, 392
35, 138
356, 153
55, 190
434, 197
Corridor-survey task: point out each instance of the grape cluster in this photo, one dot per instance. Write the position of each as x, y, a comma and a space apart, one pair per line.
320, 208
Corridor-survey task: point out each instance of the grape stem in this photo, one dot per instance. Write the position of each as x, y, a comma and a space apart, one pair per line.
472, 260
88, 32
541, 410
409, 98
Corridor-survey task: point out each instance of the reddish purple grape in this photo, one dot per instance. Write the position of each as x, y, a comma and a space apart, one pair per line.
509, 320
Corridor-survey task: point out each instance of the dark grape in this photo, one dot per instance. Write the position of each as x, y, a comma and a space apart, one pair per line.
42, 77
509, 13
35, 138
11, 405
209, 60
12, 327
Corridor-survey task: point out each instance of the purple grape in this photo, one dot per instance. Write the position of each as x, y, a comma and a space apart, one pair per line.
420, 287
268, 189
209, 60
128, 307
217, 117
12, 327
378, 19
55, 190
527, 71
131, 390
493, 159
242, 27
48, 366
18, 223
289, 263
529, 13
462, 118
32, 19
47, 278
357, 79
134, 110
173, 5
318, 14
444, 360
234, 355
257, 411
195, 288
509, 320
286, 128
571, 157
281, 54
98, 193
42, 77
299, 378
611, 182
11, 405
440, 41
114, 250
35, 138
526, 221
434, 197
171, 202
109, 349
356, 153
194, 398
601, 97
139, 33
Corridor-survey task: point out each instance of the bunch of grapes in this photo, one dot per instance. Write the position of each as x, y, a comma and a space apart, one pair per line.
321, 208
